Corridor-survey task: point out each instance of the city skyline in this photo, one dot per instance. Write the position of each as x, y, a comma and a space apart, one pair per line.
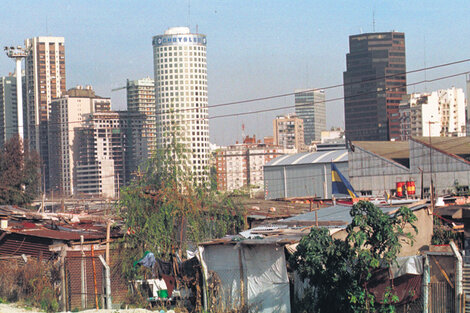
255, 49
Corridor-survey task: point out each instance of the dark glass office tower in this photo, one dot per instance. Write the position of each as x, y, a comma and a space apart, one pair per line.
374, 83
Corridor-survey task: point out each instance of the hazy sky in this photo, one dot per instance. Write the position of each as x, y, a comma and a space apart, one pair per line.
254, 48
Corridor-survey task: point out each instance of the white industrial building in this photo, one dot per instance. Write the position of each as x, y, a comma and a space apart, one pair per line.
375, 167
303, 174
181, 95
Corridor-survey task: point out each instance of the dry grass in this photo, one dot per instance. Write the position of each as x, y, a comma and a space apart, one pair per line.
35, 283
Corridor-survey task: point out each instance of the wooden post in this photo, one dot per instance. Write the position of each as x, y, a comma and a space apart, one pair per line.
242, 283
63, 291
94, 276
108, 235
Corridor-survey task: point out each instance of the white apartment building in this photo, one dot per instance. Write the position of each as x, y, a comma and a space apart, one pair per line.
45, 80
439, 113
241, 165
67, 115
181, 95
288, 131
141, 98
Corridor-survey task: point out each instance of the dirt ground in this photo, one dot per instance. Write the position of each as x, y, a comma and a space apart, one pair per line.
13, 308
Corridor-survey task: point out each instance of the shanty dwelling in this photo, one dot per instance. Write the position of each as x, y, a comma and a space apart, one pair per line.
425, 276
76, 243
252, 272
376, 167
251, 266
303, 174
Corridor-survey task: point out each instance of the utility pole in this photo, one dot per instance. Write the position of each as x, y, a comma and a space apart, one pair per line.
430, 166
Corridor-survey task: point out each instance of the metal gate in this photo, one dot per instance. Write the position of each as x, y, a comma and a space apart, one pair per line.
441, 298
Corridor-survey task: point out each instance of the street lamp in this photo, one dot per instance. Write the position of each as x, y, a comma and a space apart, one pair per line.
18, 54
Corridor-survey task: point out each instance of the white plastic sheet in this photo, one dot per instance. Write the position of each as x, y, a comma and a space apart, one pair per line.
266, 277
407, 265
223, 259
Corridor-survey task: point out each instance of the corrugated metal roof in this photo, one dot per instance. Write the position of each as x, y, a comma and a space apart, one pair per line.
337, 213
388, 149
310, 158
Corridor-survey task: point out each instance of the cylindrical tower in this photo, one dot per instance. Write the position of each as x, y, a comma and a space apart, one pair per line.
181, 95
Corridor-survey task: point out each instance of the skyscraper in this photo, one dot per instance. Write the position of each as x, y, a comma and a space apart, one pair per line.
141, 98
45, 80
181, 95
65, 118
310, 107
8, 109
374, 83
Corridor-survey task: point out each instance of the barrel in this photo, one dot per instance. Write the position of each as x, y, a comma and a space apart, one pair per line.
400, 186
410, 187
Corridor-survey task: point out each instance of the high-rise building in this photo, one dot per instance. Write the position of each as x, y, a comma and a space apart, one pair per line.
45, 80
439, 113
310, 107
181, 95
111, 144
8, 109
141, 98
65, 117
374, 84
288, 132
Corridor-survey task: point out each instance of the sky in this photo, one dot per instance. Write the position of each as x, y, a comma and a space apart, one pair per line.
254, 48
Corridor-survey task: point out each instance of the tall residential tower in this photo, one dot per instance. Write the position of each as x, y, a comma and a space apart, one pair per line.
141, 98
45, 80
310, 107
8, 108
374, 84
181, 95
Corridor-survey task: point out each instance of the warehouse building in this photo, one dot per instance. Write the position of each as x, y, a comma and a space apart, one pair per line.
303, 174
376, 167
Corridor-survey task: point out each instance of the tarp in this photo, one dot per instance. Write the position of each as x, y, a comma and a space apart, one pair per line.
223, 259
407, 265
264, 275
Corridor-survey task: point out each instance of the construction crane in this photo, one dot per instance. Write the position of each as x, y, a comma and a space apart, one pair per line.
116, 89
120, 88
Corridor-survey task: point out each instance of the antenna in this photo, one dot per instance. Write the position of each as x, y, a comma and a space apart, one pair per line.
47, 30
189, 13
373, 21
424, 58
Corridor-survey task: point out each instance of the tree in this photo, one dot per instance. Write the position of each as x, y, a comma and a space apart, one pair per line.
19, 173
165, 210
339, 270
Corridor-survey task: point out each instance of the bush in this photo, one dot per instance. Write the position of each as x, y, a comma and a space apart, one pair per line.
35, 283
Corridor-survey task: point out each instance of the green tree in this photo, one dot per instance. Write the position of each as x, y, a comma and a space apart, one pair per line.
165, 210
19, 173
339, 270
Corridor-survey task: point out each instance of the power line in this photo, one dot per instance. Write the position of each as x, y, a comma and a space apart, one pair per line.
342, 85
269, 109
